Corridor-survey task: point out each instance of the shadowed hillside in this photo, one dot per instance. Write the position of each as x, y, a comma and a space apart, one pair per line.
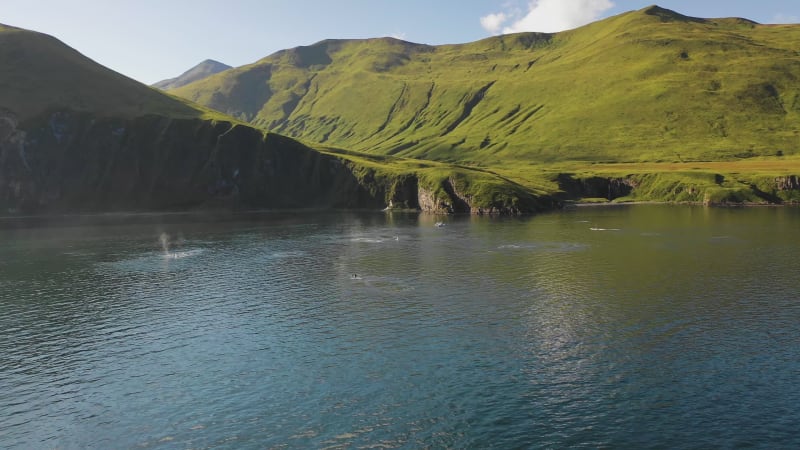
649, 85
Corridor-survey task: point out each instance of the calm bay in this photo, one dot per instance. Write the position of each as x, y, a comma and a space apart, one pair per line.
646, 326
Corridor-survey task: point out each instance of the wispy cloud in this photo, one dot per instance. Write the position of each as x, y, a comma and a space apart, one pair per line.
785, 18
546, 16
401, 36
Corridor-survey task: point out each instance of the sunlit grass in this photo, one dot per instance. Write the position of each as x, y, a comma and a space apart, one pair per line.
646, 86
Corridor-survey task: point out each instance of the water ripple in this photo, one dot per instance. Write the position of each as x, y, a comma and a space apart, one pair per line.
486, 333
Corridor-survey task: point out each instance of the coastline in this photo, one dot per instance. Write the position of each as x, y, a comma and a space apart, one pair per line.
579, 204
222, 215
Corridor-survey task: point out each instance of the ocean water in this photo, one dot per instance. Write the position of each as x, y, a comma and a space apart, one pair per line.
623, 327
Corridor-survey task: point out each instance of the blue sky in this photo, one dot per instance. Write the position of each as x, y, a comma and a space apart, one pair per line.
150, 40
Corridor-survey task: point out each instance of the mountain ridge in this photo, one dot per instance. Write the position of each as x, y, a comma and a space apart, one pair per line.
202, 70
613, 90
78, 137
42, 73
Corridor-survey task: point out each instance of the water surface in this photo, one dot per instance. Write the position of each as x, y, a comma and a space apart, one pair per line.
630, 327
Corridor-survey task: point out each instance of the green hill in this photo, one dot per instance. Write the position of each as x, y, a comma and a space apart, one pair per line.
644, 86
76, 136
39, 73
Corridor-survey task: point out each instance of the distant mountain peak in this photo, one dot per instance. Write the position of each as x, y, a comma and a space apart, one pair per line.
203, 70
668, 15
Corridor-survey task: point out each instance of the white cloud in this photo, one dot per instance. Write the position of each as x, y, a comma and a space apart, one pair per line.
785, 18
401, 36
547, 16
493, 23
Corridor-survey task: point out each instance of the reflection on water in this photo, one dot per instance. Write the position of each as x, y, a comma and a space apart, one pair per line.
647, 326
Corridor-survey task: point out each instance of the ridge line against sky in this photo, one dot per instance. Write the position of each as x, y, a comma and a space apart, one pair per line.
152, 40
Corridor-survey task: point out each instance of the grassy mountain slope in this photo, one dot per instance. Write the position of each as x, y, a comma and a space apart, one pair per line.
39, 73
203, 70
75, 136
649, 85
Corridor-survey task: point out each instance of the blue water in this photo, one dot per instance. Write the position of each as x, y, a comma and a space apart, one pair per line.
635, 327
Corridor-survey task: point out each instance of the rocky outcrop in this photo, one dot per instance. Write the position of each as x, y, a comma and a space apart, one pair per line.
787, 183
406, 194
595, 187
783, 189
448, 197
428, 201
443, 199
700, 187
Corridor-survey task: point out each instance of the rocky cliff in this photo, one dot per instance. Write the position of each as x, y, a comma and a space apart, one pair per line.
66, 161
683, 187
74, 162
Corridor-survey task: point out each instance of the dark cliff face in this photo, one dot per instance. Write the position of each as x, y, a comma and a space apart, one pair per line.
78, 137
67, 162
595, 187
